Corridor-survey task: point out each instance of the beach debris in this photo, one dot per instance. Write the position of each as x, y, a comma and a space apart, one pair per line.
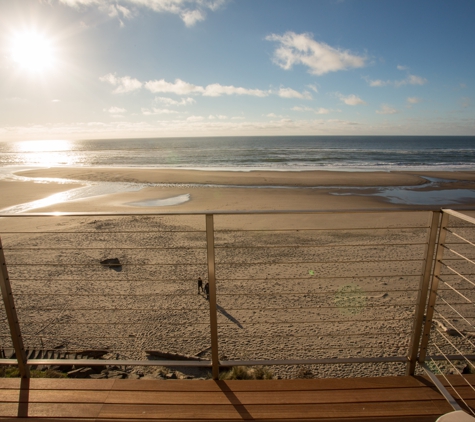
112, 263
450, 331
80, 373
171, 356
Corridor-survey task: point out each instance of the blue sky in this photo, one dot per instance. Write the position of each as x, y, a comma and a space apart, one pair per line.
86, 69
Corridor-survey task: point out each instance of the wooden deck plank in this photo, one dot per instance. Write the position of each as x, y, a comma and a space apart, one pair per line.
430, 418
266, 397
270, 385
240, 412
56, 396
64, 410
210, 385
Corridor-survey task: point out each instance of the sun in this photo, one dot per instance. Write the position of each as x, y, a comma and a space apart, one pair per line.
32, 51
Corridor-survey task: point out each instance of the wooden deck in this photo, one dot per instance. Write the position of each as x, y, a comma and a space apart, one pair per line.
355, 399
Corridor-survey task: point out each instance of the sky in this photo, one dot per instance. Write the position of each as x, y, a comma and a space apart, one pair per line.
95, 69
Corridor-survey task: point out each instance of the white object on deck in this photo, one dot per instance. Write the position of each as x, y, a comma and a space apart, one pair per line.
457, 416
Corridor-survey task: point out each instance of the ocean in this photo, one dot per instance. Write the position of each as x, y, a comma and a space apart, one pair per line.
344, 153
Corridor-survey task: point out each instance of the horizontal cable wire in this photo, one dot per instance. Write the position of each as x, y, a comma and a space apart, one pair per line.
465, 289
217, 263
230, 309
96, 294
453, 388
107, 232
343, 245
455, 290
335, 321
326, 336
461, 238
328, 292
457, 273
103, 265
457, 312
456, 329
221, 280
319, 262
353, 347
79, 280
25, 309
100, 248
159, 294
455, 348
463, 257
132, 338
320, 229
459, 373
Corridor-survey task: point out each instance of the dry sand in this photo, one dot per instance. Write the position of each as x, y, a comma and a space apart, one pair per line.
289, 287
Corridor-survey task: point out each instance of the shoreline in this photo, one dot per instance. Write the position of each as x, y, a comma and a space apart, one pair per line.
224, 190
291, 178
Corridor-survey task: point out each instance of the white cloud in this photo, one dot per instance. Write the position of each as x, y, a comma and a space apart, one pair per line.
400, 67
414, 100
386, 109
292, 93
409, 80
155, 111
180, 87
172, 102
115, 110
195, 119
190, 17
313, 88
190, 11
216, 90
378, 82
319, 57
413, 80
124, 84
351, 100
320, 110
219, 116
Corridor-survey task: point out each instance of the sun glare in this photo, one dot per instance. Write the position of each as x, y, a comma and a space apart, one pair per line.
32, 51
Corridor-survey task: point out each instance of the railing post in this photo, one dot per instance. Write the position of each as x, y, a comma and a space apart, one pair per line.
423, 292
433, 288
12, 317
212, 295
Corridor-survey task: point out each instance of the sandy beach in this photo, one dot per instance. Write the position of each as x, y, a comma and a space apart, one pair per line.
322, 285
308, 190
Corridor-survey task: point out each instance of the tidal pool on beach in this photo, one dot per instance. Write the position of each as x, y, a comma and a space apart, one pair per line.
175, 200
407, 196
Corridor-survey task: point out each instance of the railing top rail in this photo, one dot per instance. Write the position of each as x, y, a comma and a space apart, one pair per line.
421, 208
459, 215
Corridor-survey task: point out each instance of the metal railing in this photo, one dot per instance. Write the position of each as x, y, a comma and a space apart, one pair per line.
285, 288
448, 340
